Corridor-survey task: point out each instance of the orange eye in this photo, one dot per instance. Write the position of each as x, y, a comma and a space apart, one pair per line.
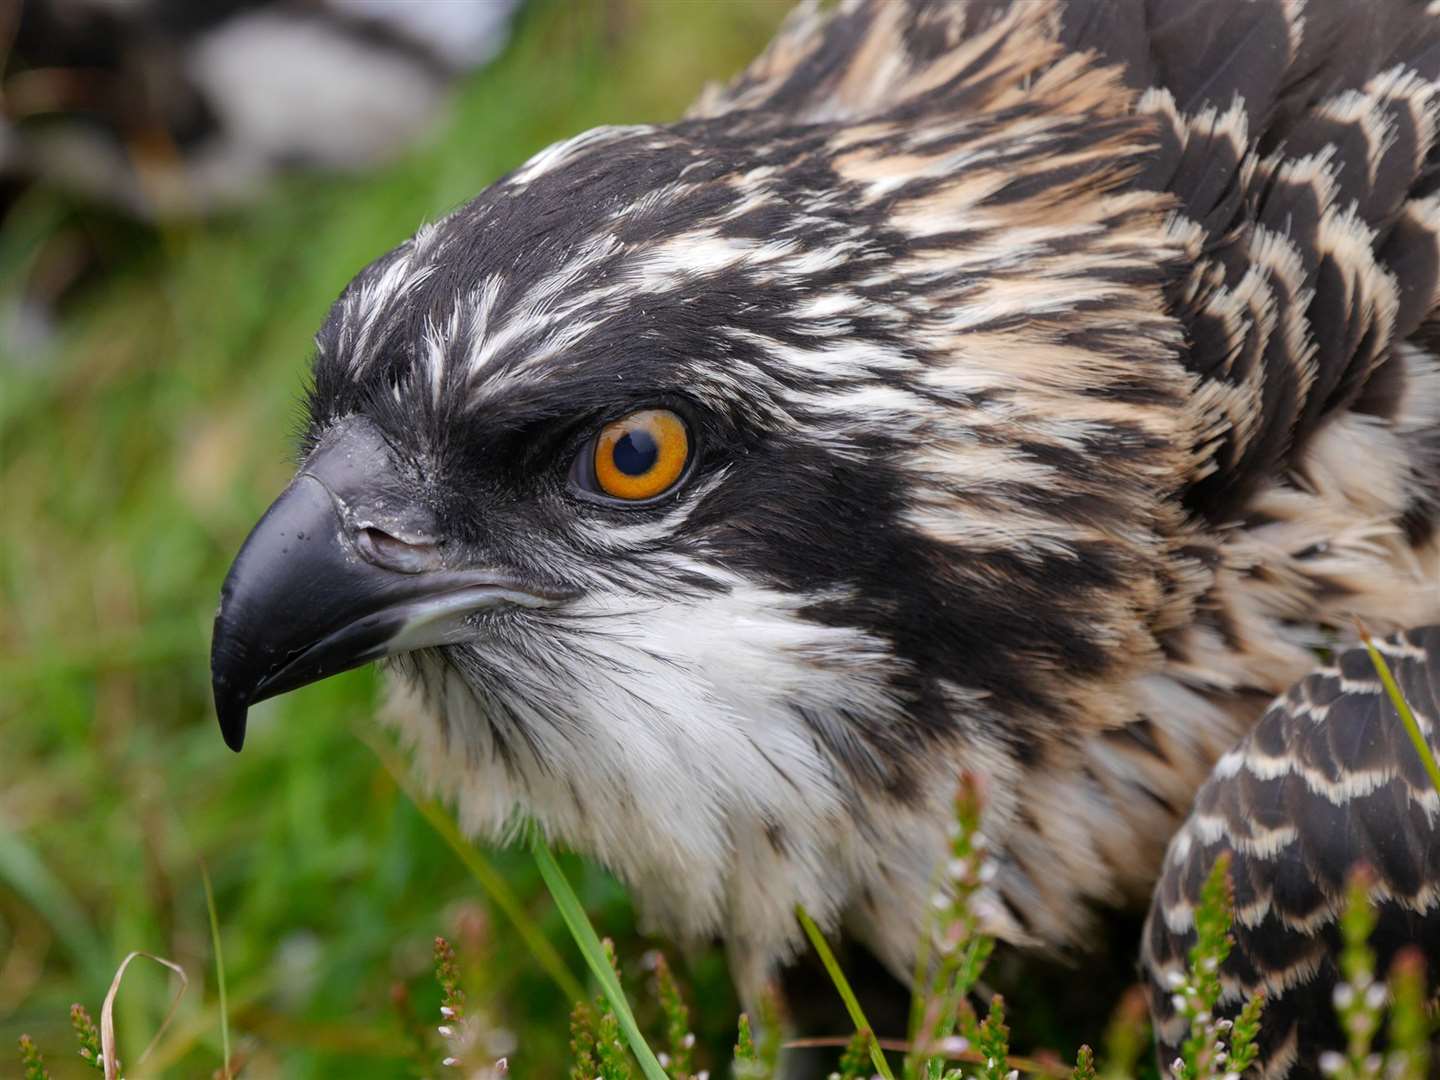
641, 455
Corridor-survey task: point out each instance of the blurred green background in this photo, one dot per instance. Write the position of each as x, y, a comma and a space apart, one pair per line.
136, 450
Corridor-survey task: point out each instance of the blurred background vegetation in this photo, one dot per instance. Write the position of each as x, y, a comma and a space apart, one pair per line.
138, 444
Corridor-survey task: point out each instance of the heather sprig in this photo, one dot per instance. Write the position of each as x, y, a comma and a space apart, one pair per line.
469, 1041
1206, 1053
747, 1058
1243, 1035
447, 974
1197, 996
855, 1061
32, 1061
680, 1059
759, 1061
584, 1065
87, 1035
614, 1060
1361, 999
1358, 998
961, 950
1411, 1021
993, 1040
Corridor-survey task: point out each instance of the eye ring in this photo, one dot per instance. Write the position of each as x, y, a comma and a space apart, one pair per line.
635, 460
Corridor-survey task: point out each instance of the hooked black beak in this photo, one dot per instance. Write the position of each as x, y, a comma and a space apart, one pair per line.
341, 570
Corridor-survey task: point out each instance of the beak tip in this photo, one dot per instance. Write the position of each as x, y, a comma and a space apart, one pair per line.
232, 716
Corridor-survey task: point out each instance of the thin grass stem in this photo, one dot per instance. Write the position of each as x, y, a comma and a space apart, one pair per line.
589, 943
489, 879
1412, 726
842, 986
219, 971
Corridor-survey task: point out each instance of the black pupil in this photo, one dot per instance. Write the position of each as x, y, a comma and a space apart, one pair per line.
635, 453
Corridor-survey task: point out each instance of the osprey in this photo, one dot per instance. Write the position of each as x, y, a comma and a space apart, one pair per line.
1018, 387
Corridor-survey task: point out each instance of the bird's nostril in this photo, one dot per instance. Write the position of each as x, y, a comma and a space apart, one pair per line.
383, 549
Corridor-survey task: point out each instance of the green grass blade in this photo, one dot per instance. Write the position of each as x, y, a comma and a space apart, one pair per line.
1412, 726
594, 953
489, 879
842, 985
25, 872
219, 971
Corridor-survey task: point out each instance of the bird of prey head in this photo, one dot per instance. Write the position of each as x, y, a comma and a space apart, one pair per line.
716, 492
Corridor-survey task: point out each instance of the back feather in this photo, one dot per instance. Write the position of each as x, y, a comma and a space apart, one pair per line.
1326, 782
1297, 143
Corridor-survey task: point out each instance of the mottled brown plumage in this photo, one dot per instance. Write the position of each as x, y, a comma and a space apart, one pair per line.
1245, 189
1062, 376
